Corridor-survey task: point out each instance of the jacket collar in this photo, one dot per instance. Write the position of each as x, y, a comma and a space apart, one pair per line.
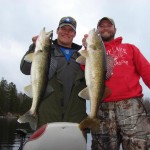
57, 52
74, 45
116, 41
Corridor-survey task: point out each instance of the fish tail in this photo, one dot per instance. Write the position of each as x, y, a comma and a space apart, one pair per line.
31, 119
90, 123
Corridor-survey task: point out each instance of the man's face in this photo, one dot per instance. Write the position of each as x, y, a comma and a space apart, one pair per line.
65, 36
107, 30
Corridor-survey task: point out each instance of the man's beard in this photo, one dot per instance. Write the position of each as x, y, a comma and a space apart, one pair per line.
107, 39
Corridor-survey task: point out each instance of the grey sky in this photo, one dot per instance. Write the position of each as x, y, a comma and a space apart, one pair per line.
22, 19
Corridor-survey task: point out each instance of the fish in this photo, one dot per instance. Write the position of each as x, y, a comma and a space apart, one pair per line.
95, 60
40, 59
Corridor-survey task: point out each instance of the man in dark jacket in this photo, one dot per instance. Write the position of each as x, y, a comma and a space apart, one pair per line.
66, 78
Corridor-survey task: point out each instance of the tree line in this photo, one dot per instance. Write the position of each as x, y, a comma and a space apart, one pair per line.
14, 103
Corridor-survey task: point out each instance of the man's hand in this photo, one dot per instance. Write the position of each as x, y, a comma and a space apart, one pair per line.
84, 43
34, 39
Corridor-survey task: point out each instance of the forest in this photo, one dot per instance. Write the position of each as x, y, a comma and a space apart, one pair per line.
13, 103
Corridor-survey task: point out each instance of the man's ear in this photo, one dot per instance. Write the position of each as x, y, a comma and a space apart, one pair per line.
75, 34
115, 30
57, 30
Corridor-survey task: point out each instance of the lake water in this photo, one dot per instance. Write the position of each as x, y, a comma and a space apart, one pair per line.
11, 140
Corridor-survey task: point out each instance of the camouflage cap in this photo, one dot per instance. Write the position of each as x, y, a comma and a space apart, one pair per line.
68, 21
106, 18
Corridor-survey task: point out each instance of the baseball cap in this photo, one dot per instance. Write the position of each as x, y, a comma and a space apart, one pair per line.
68, 21
106, 18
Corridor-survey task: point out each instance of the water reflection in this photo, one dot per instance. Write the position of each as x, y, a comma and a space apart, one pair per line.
10, 139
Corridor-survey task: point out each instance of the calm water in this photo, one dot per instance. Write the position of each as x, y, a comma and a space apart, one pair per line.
9, 138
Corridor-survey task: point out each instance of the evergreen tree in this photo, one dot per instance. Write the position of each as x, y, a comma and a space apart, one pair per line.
13, 99
3, 96
24, 103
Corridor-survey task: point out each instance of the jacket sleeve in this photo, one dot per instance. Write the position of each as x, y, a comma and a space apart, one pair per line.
25, 67
142, 66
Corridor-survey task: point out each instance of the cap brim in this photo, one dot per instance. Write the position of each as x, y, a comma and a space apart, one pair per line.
106, 18
67, 24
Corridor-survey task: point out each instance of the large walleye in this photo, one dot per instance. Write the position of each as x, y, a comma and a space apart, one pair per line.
39, 75
94, 58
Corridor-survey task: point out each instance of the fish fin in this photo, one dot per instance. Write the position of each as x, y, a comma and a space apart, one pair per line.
107, 92
81, 60
28, 117
28, 90
83, 52
29, 57
90, 123
84, 94
110, 66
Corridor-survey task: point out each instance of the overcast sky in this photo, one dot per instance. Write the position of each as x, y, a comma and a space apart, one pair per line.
20, 20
